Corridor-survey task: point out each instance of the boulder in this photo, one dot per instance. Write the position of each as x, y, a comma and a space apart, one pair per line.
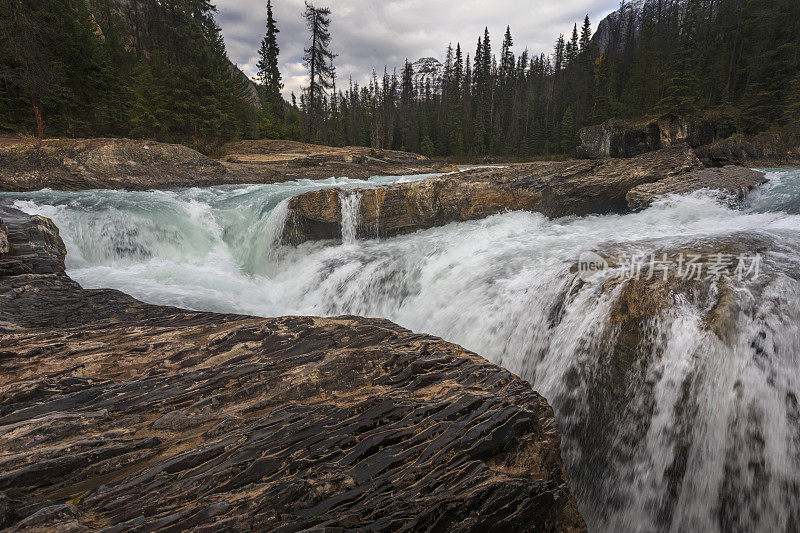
554, 189
733, 181
118, 414
29, 244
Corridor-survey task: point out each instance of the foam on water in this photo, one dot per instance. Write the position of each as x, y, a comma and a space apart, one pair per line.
709, 437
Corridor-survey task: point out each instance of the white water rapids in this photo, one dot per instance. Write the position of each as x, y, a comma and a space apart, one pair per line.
702, 433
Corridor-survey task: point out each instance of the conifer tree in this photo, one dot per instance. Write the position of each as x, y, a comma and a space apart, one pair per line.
269, 75
318, 59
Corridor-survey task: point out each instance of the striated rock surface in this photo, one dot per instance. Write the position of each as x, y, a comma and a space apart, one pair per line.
765, 150
3, 238
554, 189
734, 181
118, 414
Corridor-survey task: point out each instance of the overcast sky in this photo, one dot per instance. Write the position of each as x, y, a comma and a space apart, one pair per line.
368, 34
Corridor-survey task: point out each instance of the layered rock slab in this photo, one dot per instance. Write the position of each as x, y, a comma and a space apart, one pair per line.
115, 413
765, 150
554, 189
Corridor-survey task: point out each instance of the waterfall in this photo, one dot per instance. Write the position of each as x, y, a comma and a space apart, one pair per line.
351, 214
688, 420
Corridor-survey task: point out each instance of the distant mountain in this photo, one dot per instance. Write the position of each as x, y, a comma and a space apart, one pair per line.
632, 12
428, 69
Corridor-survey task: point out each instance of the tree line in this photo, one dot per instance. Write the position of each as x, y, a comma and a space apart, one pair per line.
142, 68
738, 59
158, 69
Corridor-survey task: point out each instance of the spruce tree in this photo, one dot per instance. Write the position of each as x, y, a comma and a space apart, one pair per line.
269, 75
318, 59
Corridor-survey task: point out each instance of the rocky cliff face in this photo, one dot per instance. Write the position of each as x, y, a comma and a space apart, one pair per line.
114, 413
630, 13
628, 138
554, 189
620, 138
711, 136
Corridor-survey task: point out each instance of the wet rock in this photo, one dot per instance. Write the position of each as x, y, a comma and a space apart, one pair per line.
32, 244
765, 150
554, 189
122, 415
3, 238
733, 181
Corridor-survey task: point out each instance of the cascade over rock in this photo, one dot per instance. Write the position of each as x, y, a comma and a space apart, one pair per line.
555, 189
118, 413
694, 364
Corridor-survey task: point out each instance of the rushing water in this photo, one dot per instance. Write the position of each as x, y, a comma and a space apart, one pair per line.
703, 433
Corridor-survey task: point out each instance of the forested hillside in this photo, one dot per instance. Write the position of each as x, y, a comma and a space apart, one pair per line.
139, 68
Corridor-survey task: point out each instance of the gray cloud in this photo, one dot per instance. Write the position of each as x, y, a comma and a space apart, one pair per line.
371, 34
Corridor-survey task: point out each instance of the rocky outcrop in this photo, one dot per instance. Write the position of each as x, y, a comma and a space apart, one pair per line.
765, 150
554, 189
72, 164
32, 245
290, 160
733, 181
118, 414
622, 138
628, 138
